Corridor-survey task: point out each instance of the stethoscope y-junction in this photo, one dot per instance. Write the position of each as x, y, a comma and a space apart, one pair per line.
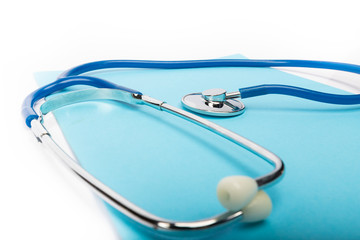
242, 196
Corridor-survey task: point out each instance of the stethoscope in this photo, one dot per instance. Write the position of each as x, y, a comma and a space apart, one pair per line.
242, 196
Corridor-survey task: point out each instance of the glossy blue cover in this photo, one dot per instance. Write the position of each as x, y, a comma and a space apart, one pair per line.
171, 167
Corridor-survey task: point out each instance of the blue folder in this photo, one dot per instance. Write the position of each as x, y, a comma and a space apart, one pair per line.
171, 167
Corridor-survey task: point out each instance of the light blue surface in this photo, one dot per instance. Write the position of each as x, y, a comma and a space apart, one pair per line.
171, 167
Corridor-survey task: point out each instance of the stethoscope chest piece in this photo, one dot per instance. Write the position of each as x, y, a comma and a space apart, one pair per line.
213, 102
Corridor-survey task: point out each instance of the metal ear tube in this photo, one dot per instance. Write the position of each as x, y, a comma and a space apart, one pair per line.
122, 204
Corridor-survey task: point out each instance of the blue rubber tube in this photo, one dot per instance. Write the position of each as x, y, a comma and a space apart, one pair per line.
70, 78
87, 67
245, 92
28, 111
299, 92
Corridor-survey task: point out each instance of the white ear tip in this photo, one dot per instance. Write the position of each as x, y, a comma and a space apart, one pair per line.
258, 209
235, 192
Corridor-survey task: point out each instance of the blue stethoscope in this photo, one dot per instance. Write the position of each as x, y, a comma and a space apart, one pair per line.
242, 196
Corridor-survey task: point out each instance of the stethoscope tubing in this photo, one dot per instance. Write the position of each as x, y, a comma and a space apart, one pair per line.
244, 92
304, 93
71, 78
87, 67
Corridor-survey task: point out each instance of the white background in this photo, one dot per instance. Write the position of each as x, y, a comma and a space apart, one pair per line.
38, 199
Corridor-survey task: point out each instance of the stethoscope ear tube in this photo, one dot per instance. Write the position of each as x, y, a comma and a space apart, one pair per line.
140, 215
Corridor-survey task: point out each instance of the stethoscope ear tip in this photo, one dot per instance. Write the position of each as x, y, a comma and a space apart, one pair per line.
213, 102
241, 193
